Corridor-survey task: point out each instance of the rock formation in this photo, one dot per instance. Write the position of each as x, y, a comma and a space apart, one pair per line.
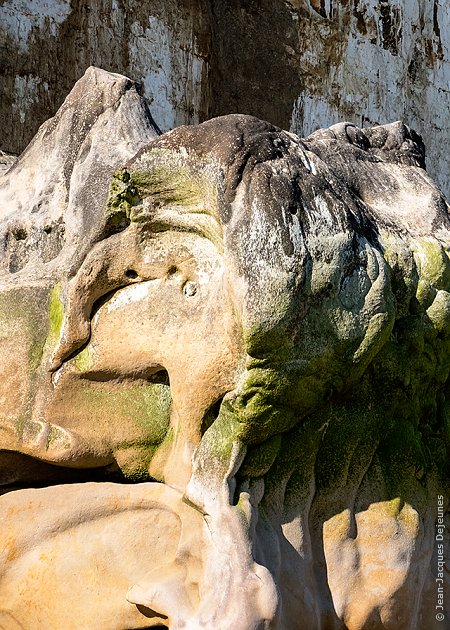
302, 64
225, 374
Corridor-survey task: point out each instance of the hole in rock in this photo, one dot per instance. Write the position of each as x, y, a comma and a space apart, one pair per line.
161, 376
149, 612
211, 415
150, 375
190, 289
17, 249
116, 222
131, 273
20, 234
51, 241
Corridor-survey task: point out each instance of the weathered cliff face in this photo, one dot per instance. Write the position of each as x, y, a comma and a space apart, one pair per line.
302, 64
249, 334
46, 47
368, 61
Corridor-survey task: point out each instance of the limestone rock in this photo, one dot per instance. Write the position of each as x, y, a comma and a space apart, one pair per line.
259, 323
302, 64
45, 212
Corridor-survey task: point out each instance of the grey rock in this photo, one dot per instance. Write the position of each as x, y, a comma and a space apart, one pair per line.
51, 199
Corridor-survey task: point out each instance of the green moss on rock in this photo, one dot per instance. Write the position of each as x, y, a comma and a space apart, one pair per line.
56, 312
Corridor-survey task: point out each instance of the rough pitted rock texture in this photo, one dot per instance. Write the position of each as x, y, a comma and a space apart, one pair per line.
302, 64
253, 326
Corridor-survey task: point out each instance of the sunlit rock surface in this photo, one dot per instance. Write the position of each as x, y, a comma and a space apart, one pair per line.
225, 359
302, 64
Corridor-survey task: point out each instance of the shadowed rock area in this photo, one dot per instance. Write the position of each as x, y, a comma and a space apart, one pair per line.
225, 374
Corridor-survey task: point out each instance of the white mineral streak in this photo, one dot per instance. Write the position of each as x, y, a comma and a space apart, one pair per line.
26, 89
394, 64
162, 56
18, 18
170, 70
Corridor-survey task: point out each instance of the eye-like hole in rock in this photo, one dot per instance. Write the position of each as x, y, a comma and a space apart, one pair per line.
190, 289
131, 273
20, 234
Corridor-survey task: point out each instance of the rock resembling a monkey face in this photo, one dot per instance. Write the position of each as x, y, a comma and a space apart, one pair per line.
251, 325
208, 284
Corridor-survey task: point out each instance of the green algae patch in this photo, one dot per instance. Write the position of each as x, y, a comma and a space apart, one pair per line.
377, 333
219, 439
393, 507
349, 440
84, 360
434, 263
56, 312
132, 418
168, 184
146, 405
134, 461
164, 196
434, 269
402, 453
164, 184
23, 332
404, 275
257, 410
122, 197
383, 437
439, 312
260, 459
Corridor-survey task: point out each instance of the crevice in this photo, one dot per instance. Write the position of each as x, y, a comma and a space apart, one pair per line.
19, 471
211, 416
152, 374
149, 612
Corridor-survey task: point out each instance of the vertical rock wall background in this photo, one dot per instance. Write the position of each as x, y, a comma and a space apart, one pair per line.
301, 64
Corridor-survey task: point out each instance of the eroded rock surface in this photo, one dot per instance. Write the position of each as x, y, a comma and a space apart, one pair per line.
254, 326
302, 64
